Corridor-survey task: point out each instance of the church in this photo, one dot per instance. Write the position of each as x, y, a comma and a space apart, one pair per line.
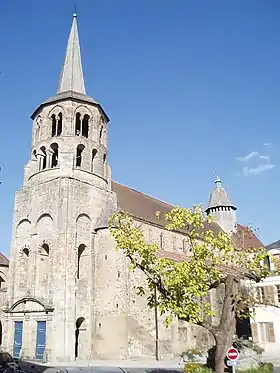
70, 295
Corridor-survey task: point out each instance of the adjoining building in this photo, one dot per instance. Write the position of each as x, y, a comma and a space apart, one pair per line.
265, 324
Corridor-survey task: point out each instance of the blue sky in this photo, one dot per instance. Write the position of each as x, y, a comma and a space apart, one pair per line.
192, 87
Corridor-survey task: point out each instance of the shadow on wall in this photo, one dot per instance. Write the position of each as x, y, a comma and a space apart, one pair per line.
37, 368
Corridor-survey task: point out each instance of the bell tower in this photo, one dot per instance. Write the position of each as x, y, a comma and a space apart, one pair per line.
57, 212
70, 129
221, 207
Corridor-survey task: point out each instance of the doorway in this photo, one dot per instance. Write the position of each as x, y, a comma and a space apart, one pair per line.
41, 340
18, 338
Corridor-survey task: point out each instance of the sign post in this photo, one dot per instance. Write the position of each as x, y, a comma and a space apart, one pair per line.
233, 356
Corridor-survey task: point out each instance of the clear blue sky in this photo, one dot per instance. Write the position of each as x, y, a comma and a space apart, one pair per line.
189, 85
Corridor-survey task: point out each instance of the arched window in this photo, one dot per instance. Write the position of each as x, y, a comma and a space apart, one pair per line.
80, 149
100, 134
54, 156
43, 160
56, 124
25, 252
53, 118
81, 249
93, 157
59, 124
43, 270
46, 250
79, 337
78, 124
85, 123
37, 128
104, 165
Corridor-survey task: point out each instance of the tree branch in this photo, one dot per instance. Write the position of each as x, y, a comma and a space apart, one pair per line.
156, 281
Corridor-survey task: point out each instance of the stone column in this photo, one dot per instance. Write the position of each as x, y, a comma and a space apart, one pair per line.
40, 161
92, 131
49, 158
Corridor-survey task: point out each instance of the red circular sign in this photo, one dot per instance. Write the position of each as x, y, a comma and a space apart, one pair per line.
232, 354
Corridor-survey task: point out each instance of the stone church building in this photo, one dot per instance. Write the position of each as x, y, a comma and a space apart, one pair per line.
69, 294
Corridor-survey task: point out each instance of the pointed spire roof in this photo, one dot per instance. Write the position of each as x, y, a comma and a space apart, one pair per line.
219, 197
72, 77
71, 83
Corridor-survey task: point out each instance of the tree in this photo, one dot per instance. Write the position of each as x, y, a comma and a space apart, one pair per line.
215, 260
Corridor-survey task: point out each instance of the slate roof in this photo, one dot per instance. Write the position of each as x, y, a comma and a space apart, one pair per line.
219, 197
3, 260
72, 77
144, 207
274, 245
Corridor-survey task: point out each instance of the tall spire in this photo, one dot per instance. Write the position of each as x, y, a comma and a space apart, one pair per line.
72, 78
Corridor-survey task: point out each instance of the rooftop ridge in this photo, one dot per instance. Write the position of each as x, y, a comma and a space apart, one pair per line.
145, 194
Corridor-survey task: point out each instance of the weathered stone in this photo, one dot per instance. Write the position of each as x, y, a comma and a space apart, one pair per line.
248, 359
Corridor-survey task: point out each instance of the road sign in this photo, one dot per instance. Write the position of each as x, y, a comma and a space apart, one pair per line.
231, 363
232, 354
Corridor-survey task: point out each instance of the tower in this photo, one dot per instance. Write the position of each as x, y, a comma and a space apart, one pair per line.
221, 208
60, 216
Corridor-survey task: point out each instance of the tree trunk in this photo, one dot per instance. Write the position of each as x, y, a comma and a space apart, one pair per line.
220, 355
223, 342
226, 329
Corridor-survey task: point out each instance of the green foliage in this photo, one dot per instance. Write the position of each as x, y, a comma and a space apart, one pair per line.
241, 343
191, 354
264, 368
196, 368
267, 367
183, 285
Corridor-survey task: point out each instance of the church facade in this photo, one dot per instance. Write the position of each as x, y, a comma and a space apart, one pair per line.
70, 295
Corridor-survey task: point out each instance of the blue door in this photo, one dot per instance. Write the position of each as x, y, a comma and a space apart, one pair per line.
18, 338
41, 339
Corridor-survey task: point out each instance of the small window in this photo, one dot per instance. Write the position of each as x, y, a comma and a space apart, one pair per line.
81, 249
78, 124
59, 124
85, 124
54, 157
25, 251
53, 119
93, 158
80, 149
266, 330
46, 250
100, 134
